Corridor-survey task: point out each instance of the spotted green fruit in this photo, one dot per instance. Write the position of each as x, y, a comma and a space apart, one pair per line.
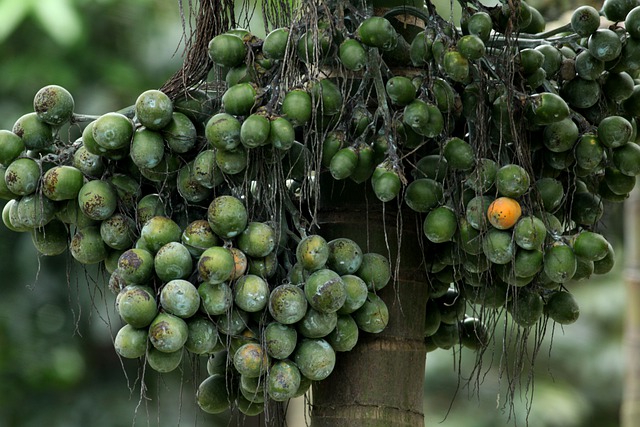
62, 183
280, 340
287, 304
160, 230
153, 109
136, 305
87, 246
54, 105
585, 20
22, 176
35, 133
373, 316
131, 342
112, 131
173, 261
312, 252
251, 293
97, 199
283, 380
257, 240
251, 360
168, 333
227, 216
315, 358
216, 264
345, 256
136, 266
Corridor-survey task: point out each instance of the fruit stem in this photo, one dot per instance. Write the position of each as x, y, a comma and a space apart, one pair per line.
296, 218
82, 118
373, 66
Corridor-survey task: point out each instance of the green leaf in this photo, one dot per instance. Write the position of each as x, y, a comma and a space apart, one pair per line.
59, 19
13, 13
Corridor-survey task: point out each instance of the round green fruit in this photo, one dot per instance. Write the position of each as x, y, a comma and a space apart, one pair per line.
287, 304
153, 109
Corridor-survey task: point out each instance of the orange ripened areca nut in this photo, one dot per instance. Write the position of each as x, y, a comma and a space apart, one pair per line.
504, 212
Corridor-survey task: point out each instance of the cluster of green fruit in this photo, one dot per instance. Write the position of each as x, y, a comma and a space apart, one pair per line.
506, 148
191, 270
510, 146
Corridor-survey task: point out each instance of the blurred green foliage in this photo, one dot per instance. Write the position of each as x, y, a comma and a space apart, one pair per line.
57, 321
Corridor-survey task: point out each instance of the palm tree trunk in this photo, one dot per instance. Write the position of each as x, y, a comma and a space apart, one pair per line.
380, 382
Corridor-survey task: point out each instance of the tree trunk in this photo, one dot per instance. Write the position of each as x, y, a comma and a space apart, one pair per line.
630, 412
379, 382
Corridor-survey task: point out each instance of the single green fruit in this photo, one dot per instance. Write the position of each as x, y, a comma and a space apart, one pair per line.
275, 43
62, 183
22, 176
54, 105
87, 247
11, 146
344, 336
562, 308
559, 263
423, 194
227, 50
240, 99
315, 358
280, 340
180, 134
375, 270
585, 20
287, 304
352, 55
214, 395
153, 109
283, 380
51, 239
35, 133
251, 293
373, 316
136, 305
130, 342
113, 131
325, 291
312, 252
377, 31
215, 298
136, 266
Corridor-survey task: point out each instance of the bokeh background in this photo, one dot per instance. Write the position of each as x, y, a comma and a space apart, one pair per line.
57, 364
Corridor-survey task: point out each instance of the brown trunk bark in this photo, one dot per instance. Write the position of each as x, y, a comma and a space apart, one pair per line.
379, 382
630, 411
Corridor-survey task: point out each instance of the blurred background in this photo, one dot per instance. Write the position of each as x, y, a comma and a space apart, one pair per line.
57, 363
